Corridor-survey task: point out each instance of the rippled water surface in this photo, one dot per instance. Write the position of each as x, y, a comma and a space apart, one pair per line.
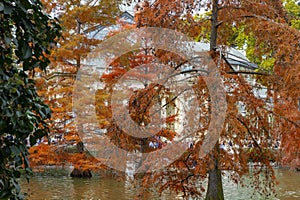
66, 188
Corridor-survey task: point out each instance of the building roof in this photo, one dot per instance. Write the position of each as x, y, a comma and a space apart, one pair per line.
234, 57
100, 32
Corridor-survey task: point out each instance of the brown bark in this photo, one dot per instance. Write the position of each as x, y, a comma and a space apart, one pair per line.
78, 59
215, 187
79, 173
214, 26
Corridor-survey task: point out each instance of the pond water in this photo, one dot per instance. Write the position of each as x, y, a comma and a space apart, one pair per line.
67, 188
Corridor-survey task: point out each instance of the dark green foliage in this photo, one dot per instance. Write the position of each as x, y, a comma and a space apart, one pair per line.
26, 34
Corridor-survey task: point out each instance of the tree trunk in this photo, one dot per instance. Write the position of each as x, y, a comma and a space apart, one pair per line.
215, 187
214, 26
80, 147
78, 58
79, 173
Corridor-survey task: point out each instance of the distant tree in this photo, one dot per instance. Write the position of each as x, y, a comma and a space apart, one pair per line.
80, 21
26, 36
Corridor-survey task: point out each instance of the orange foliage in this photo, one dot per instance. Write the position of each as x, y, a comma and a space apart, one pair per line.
79, 19
248, 136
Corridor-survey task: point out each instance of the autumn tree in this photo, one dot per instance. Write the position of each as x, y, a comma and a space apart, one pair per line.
265, 119
25, 42
262, 27
81, 21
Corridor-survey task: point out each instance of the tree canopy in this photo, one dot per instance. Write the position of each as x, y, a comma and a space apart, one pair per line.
273, 44
80, 21
254, 122
26, 36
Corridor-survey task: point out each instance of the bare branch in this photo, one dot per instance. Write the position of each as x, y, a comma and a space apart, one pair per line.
250, 133
248, 72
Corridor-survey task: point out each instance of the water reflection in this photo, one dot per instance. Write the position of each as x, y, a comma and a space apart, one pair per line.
64, 187
47, 187
289, 184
